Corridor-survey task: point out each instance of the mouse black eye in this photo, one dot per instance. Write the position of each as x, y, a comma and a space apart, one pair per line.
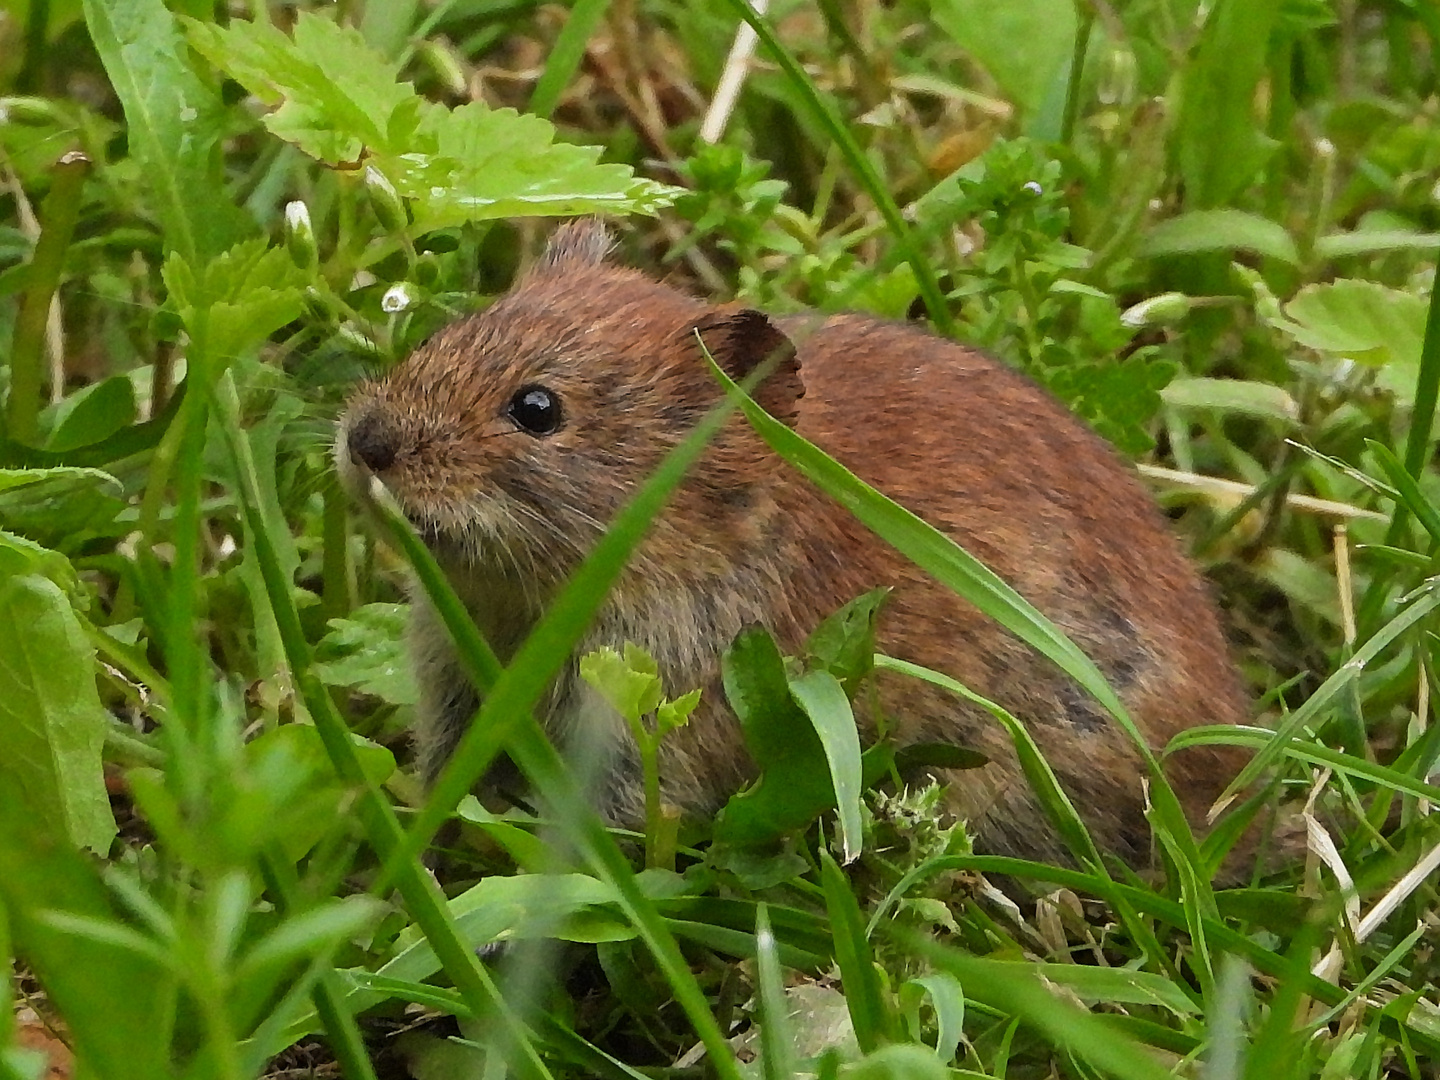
536, 410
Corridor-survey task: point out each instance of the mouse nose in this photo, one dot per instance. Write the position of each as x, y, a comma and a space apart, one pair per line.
373, 442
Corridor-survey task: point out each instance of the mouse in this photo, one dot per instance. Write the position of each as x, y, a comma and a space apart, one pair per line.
513, 436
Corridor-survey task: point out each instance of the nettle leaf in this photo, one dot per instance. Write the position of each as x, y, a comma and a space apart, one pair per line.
1118, 399
336, 95
237, 300
626, 686
52, 724
339, 101
494, 163
366, 652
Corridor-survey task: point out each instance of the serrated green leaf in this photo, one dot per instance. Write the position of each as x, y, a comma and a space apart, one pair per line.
19, 556
631, 693
52, 724
237, 299
335, 94
672, 714
338, 100
366, 652
844, 643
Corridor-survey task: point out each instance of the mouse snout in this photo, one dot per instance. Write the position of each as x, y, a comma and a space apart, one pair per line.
373, 441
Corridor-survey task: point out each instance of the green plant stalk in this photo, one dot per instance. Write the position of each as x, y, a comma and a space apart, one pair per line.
649, 745
335, 575
1084, 21
859, 164
342, 1033
566, 55
418, 889
1417, 445
60, 211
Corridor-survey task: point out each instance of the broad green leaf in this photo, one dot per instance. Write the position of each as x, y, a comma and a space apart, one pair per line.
794, 785
117, 1003
1025, 45
904, 1061
1218, 139
338, 100
91, 414
61, 507
1365, 322
174, 123
52, 724
1094, 985
19, 557
1218, 230
366, 652
1242, 396
822, 698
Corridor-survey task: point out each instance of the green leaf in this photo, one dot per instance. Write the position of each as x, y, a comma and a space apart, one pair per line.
947, 998
19, 557
672, 714
1365, 322
629, 692
117, 1004
61, 507
794, 785
822, 698
844, 643
52, 724
339, 100
1124, 986
336, 96
1241, 396
1218, 230
174, 123
366, 652
870, 1011
237, 299
1025, 45
91, 414
1218, 140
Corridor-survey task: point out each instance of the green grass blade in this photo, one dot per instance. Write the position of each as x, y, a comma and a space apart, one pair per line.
870, 1012
775, 1041
1015, 988
1424, 602
567, 55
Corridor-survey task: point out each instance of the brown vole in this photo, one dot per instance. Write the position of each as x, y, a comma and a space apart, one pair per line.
513, 436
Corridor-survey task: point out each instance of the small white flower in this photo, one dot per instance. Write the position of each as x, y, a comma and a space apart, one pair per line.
396, 299
1034, 187
297, 215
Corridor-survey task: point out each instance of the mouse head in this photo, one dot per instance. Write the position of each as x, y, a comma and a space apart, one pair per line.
512, 437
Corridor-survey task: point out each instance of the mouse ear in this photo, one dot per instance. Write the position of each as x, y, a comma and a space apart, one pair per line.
577, 243
742, 339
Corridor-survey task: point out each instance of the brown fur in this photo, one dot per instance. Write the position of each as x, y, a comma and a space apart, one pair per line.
972, 447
